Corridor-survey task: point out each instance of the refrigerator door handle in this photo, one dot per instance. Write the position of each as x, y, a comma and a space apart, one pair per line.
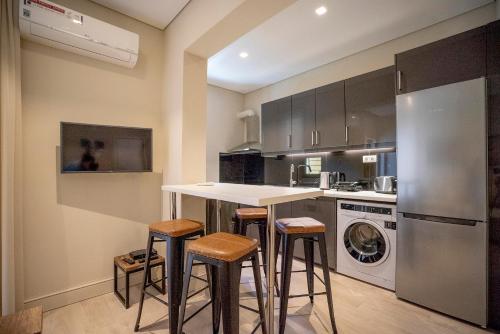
443, 220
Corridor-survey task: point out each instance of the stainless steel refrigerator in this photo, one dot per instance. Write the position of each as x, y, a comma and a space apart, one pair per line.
442, 231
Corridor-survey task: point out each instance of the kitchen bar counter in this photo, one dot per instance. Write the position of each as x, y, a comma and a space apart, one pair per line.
361, 195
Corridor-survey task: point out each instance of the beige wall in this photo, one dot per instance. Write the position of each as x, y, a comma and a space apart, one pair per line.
75, 224
225, 130
368, 60
201, 29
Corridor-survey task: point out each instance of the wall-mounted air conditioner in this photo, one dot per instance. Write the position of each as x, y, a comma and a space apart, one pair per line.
60, 27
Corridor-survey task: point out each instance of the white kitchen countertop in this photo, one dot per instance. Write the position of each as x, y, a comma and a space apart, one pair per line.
361, 195
255, 195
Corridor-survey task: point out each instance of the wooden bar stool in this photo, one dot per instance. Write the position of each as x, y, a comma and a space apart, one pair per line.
310, 230
224, 252
175, 233
249, 216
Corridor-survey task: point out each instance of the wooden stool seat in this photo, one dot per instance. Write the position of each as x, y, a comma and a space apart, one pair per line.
310, 230
300, 225
174, 233
223, 246
176, 228
224, 253
24, 322
251, 213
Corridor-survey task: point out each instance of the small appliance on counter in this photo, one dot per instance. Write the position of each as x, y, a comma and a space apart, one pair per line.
385, 184
328, 180
348, 186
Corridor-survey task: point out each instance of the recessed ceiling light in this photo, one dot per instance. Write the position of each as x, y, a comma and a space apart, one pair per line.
243, 54
321, 10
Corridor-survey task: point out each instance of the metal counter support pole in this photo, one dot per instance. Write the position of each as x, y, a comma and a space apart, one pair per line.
217, 214
173, 205
271, 272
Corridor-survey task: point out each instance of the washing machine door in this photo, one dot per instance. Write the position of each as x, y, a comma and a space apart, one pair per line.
366, 242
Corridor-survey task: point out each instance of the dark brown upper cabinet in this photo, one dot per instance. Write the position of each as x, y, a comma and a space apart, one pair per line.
276, 125
303, 120
330, 116
458, 58
371, 108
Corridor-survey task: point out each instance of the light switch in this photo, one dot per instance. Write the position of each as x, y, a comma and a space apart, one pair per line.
367, 159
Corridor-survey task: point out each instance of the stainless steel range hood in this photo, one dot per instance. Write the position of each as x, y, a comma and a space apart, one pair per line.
252, 132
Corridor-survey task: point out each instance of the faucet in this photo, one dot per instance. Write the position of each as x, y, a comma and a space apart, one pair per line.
292, 170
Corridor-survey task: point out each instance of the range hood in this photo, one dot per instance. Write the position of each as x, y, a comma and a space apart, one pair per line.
251, 141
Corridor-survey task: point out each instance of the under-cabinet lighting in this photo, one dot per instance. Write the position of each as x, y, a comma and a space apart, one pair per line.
321, 10
307, 154
371, 150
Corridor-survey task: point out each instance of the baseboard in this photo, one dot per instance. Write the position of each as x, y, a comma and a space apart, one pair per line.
79, 293
93, 289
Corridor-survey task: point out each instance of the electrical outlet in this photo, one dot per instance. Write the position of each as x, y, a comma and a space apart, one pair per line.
367, 159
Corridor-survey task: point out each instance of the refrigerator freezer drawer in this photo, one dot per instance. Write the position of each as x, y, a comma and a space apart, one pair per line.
443, 266
441, 134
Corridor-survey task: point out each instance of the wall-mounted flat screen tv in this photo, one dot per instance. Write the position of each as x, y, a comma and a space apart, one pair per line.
87, 148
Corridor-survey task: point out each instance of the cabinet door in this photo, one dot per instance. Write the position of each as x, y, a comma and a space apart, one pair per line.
276, 125
453, 59
303, 122
371, 108
323, 210
330, 115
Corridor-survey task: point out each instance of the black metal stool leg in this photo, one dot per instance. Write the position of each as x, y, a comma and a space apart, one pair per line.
230, 274
326, 277
286, 272
185, 290
237, 225
309, 260
216, 298
263, 244
258, 290
243, 228
277, 242
175, 264
144, 280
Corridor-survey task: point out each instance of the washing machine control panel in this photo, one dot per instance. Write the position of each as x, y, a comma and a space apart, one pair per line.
366, 208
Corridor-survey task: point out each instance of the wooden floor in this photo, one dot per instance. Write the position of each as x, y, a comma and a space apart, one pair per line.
359, 308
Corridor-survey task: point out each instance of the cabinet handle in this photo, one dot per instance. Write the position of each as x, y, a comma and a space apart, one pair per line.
399, 76
346, 134
289, 140
316, 133
312, 138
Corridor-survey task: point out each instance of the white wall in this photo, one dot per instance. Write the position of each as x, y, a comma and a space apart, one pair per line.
75, 224
224, 130
369, 60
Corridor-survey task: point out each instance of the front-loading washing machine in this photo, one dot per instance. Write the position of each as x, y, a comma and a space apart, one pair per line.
366, 241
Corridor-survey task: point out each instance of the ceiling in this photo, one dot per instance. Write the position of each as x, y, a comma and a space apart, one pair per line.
158, 13
297, 40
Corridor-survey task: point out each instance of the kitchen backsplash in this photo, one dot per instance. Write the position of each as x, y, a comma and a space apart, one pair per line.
277, 170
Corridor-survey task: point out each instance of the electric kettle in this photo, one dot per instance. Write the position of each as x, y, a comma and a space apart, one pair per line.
325, 180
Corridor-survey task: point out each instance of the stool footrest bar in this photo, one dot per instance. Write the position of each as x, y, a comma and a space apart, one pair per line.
158, 299
308, 295
197, 311
197, 292
249, 308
